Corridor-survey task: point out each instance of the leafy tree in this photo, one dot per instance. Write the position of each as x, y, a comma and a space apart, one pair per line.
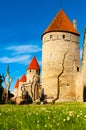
1, 87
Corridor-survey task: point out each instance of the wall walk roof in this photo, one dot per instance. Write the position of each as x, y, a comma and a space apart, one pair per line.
23, 78
61, 23
17, 84
33, 64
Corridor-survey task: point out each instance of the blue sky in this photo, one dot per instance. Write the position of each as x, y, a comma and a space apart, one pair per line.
22, 23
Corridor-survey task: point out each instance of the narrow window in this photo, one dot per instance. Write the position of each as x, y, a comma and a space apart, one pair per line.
30, 70
36, 71
63, 36
67, 84
51, 36
77, 69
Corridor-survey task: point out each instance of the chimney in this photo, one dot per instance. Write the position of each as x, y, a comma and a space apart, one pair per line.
75, 24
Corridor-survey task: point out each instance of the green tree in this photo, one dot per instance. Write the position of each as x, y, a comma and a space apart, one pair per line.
1, 86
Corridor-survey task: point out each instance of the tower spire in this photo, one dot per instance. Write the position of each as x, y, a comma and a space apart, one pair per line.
60, 4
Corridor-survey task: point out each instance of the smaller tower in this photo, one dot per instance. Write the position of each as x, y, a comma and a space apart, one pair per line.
22, 80
33, 78
29, 84
33, 70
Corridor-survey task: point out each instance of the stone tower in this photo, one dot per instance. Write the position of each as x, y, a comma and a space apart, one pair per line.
84, 59
84, 67
60, 58
33, 78
33, 70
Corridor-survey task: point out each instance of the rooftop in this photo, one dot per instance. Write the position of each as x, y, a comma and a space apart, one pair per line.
23, 78
61, 23
16, 84
33, 64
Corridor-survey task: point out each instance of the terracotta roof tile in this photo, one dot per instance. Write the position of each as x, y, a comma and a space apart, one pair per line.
61, 23
16, 84
33, 64
23, 78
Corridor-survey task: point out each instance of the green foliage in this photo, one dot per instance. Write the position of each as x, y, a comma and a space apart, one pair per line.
38, 102
1, 80
61, 116
1, 87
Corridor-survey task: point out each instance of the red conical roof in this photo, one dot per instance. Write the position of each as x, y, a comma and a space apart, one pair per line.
33, 64
61, 23
23, 78
16, 84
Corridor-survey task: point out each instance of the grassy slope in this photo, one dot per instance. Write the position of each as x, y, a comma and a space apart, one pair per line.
62, 116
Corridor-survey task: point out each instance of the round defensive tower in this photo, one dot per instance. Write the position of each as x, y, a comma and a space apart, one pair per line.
60, 58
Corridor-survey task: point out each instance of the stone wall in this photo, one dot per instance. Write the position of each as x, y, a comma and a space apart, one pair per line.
31, 73
79, 87
84, 61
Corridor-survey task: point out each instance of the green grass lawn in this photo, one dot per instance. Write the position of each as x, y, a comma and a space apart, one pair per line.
61, 116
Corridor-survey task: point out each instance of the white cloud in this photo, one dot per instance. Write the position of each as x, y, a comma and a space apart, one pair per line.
21, 49
20, 53
17, 59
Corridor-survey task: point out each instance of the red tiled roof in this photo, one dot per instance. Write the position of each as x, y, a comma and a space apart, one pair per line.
33, 64
23, 78
16, 84
61, 23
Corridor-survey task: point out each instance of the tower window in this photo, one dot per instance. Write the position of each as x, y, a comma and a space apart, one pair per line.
51, 36
36, 71
30, 70
63, 36
77, 69
67, 84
